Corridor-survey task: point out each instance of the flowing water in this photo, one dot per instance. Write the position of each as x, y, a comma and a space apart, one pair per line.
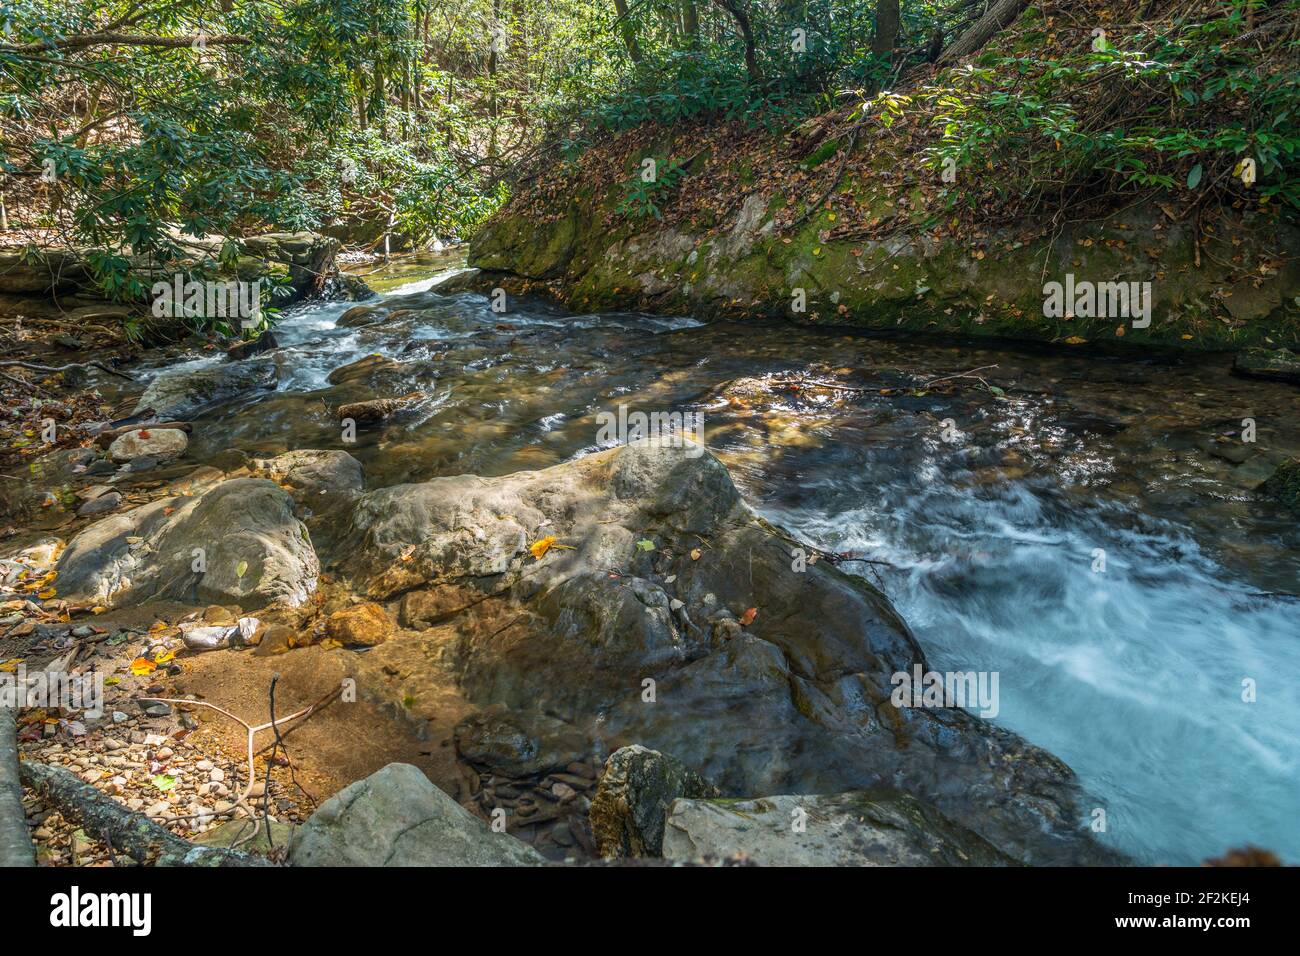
1090, 534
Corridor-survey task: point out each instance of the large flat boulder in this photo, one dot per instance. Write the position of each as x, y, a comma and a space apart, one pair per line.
396, 817
632, 597
181, 393
864, 828
236, 542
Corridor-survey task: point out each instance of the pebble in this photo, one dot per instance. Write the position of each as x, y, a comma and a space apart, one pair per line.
204, 765
216, 775
564, 792
112, 743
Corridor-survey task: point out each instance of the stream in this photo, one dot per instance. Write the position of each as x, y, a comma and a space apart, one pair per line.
1090, 533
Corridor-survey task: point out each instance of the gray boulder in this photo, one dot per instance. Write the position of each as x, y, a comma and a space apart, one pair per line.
396, 817
162, 444
634, 625
635, 793
863, 828
242, 534
183, 392
314, 475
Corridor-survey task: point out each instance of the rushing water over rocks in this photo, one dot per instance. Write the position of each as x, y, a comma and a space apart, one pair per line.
1087, 528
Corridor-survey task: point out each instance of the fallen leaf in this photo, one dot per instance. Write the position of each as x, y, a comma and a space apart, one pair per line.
142, 665
539, 548
747, 618
645, 544
696, 554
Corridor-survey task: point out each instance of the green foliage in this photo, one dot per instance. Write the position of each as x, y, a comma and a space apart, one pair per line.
1177, 110
648, 187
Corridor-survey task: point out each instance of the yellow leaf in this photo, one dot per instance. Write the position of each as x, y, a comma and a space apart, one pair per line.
142, 665
695, 555
10, 666
98, 609
47, 594
1075, 340
539, 548
164, 657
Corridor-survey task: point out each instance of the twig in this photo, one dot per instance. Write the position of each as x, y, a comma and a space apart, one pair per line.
970, 373
274, 724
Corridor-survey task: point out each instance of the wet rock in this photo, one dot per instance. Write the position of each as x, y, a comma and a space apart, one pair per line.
100, 505
631, 803
236, 542
864, 828
263, 343
313, 475
359, 315
160, 444
621, 620
423, 608
462, 280
517, 745
362, 368
184, 392
1281, 365
365, 624
1284, 484
396, 817
276, 639
376, 409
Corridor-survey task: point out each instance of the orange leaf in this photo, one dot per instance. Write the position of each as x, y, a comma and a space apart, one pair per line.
539, 548
747, 618
142, 665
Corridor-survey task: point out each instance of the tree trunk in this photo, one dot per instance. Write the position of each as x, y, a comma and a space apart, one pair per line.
1000, 15
628, 31
15, 843
493, 107
737, 11
691, 22
886, 35
124, 830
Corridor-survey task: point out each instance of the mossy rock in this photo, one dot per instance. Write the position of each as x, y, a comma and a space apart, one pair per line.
1284, 484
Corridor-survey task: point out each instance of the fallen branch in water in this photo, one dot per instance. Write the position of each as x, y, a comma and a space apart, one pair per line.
813, 383
126, 831
967, 374
54, 370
